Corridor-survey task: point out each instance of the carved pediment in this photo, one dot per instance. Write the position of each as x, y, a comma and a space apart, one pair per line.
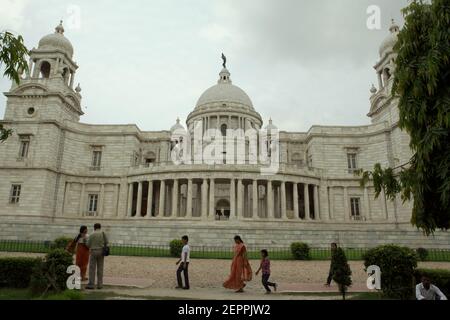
30, 89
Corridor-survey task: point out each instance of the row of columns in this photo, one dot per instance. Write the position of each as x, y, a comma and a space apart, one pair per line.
219, 120
236, 197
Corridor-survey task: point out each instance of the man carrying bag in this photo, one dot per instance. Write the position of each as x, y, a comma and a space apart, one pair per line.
98, 245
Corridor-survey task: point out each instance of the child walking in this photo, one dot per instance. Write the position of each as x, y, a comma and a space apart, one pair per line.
265, 267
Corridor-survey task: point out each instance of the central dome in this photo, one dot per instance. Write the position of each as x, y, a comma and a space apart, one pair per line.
224, 92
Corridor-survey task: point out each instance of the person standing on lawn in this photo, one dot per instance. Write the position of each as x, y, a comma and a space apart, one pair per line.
183, 263
265, 267
82, 251
97, 242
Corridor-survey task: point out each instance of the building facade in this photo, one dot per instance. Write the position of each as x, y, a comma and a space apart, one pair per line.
145, 187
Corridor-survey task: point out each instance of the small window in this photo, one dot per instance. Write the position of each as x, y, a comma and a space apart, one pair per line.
15, 193
354, 206
92, 203
24, 146
351, 162
96, 159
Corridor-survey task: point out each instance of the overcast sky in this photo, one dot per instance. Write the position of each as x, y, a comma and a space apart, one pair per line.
302, 62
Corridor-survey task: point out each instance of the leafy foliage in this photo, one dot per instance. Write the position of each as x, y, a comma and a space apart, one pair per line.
422, 84
16, 272
50, 275
13, 55
397, 266
176, 246
300, 251
61, 242
422, 254
341, 270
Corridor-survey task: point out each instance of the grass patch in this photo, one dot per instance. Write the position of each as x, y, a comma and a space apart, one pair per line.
367, 296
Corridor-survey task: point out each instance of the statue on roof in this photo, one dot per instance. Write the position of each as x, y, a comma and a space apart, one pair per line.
224, 61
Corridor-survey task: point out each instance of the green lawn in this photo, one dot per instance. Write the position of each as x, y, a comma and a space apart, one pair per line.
25, 294
206, 252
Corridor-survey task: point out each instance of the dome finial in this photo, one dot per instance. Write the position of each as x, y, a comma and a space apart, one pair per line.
373, 90
60, 28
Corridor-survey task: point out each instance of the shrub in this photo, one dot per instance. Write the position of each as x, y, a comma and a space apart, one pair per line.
50, 275
16, 272
397, 266
439, 277
341, 271
176, 246
61, 242
422, 254
300, 251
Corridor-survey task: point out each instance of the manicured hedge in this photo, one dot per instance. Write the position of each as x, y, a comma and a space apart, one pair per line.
439, 277
176, 246
16, 272
300, 251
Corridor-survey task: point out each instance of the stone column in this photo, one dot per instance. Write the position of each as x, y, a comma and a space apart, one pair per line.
189, 200
102, 201
295, 199
204, 199
232, 199
384, 204
240, 192
283, 201
255, 199
306, 195
66, 197
331, 209
175, 198
150, 199
316, 203
72, 78
218, 122
269, 193
162, 197
139, 201
130, 199
116, 199
82, 204
212, 200
367, 214
346, 211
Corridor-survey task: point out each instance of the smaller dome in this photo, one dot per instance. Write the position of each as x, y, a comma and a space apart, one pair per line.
271, 126
177, 126
57, 41
389, 42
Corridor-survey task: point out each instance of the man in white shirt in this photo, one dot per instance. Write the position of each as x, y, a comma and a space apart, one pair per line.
184, 265
426, 291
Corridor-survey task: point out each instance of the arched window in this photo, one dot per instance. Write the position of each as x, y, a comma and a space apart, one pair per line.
223, 130
45, 70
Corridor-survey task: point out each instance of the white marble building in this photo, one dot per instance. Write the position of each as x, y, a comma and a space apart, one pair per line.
57, 173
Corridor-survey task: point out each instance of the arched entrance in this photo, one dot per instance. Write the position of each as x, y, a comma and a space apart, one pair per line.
223, 210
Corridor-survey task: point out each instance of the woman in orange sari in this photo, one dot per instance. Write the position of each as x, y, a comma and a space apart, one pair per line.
82, 252
241, 270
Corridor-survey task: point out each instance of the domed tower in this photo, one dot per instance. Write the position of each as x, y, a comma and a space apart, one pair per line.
224, 106
48, 84
381, 99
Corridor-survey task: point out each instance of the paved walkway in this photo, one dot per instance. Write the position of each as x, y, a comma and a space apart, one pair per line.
125, 288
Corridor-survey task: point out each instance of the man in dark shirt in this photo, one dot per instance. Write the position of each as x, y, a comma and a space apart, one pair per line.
330, 273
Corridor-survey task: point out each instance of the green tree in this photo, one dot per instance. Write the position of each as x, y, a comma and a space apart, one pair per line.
13, 55
422, 84
341, 270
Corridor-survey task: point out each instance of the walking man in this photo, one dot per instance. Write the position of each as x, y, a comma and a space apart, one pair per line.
332, 264
183, 263
97, 242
